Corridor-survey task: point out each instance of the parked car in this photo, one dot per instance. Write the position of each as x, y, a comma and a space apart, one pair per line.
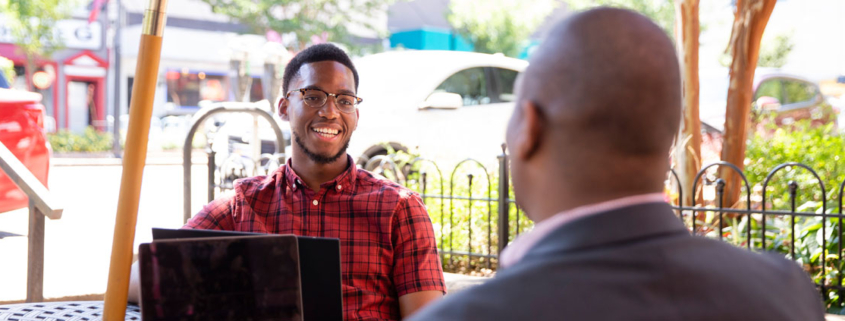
787, 96
790, 97
446, 105
22, 132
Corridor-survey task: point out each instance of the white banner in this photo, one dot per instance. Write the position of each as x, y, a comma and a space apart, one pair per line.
74, 34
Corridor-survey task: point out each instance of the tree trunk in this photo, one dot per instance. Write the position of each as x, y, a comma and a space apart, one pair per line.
750, 20
688, 143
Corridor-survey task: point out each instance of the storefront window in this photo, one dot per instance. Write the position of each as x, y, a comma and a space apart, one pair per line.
189, 88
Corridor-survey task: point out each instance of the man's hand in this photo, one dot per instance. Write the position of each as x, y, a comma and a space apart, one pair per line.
135, 284
411, 302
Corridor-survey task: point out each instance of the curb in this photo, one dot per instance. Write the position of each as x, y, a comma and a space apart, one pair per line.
155, 161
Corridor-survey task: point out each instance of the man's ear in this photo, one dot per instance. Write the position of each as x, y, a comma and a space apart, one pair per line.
529, 130
283, 108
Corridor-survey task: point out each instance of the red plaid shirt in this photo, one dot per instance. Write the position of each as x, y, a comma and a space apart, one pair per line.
388, 248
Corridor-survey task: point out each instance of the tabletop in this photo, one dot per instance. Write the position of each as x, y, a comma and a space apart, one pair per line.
61, 311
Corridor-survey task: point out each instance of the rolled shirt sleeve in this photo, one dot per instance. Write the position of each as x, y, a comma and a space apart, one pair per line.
216, 215
416, 264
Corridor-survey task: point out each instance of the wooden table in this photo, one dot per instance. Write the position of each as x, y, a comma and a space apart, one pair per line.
63, 311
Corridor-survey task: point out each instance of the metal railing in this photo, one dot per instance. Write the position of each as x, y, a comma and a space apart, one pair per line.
199, 117
469, 230
758, 225
41, 204
470, 204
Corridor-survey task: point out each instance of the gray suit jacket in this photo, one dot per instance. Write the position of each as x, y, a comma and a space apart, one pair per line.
636, 263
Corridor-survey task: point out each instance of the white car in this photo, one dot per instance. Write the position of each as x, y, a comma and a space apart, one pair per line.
444, 105
791, 97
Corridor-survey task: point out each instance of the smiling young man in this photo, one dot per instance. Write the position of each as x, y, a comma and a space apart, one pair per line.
390, 266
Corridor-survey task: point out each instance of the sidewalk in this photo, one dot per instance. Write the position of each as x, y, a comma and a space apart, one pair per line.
173, 157
78, 246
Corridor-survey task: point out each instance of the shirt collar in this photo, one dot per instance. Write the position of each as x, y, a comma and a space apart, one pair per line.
342, 183
514, 252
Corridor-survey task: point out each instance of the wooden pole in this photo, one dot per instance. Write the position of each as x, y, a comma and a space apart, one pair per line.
750, 21
688, 143
35, 255
135, 156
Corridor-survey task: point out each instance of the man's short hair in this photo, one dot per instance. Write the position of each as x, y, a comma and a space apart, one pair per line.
316, 53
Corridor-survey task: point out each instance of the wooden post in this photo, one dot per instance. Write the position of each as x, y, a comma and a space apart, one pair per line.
35, 256
134, 159
40, 204
750, 21
688, 143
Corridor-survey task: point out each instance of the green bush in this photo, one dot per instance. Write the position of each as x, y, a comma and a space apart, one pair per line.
820, 148
89, 141
454, 220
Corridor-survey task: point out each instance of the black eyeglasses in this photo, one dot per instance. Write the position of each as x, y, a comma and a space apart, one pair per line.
317, 98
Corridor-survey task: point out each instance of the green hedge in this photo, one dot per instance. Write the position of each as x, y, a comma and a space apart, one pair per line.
821, 148
89, 141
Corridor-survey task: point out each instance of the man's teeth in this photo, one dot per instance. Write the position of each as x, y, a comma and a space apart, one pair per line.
325, 131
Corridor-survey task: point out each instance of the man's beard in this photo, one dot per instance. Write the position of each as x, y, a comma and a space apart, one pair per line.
317, 158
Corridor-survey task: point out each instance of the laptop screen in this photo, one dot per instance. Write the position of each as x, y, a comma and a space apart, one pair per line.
225, 278
320, 269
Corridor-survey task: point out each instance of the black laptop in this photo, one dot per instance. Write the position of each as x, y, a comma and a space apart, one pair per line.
272, 259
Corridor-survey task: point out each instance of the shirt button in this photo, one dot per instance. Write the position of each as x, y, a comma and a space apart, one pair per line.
298, 182
339, 187
315, 202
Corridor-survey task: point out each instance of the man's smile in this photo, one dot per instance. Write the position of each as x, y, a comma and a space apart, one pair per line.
326, 133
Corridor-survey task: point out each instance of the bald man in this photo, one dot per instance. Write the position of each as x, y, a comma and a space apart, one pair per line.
589, 140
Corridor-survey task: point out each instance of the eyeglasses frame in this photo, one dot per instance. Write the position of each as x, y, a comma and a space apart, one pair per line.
358, 100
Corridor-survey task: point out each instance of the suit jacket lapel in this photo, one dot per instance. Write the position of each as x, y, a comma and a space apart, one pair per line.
616, 226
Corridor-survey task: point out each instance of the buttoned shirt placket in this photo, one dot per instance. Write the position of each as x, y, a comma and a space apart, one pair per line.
316, 203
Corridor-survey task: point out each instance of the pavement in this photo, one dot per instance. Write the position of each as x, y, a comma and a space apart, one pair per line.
78, 246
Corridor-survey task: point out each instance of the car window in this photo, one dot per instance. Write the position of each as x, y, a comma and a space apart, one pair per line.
798, 92
505, 78
770, 88
470, 84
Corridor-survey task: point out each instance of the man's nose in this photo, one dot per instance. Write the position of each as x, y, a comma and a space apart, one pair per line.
329, 109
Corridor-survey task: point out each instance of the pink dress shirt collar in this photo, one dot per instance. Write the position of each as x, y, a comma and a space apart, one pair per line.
514, 252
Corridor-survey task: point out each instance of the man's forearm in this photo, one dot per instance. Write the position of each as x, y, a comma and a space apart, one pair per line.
410, 303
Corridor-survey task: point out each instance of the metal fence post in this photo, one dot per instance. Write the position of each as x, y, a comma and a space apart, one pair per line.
35, 257
504, 203
211, 168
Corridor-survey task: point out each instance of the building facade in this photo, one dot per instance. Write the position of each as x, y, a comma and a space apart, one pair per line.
73, 80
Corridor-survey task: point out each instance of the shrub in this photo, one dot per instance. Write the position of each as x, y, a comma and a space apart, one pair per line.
457, 219
820, 148
89, 141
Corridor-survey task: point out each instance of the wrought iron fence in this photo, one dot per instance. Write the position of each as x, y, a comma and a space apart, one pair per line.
475, 216
810, 234
472, 209
815, 243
